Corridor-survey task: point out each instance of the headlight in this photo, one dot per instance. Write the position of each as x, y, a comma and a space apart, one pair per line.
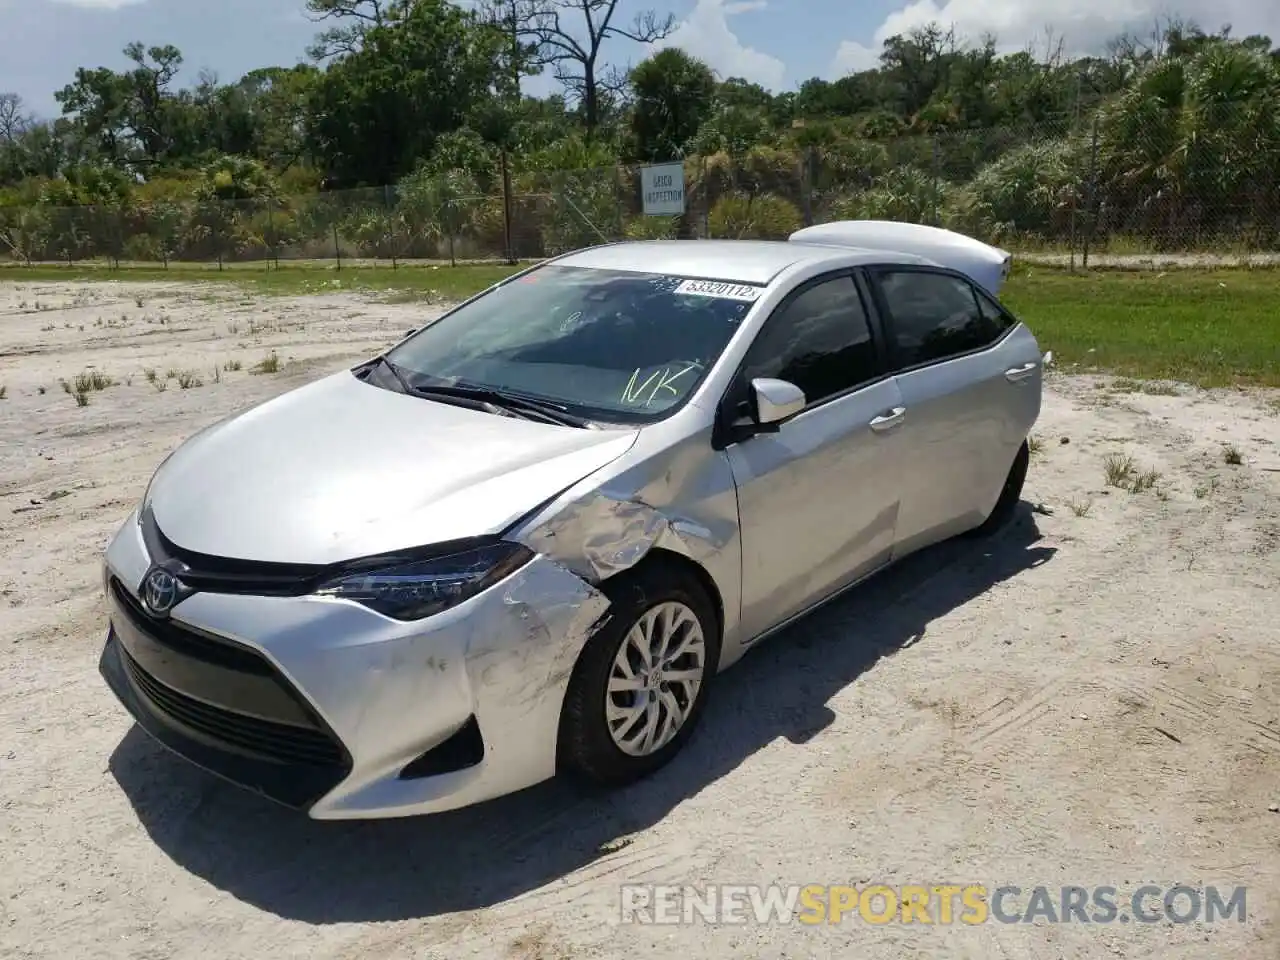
412, 591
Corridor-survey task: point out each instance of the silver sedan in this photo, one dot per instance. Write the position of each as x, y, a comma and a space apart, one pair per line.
526, 538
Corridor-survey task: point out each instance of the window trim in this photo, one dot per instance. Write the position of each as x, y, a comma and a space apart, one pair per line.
876, 271
724, 435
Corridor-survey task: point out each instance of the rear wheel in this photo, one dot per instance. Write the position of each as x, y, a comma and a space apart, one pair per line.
1010, 494
640, 685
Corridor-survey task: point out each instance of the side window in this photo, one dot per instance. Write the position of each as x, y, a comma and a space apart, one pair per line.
999, 319
935, 316
820, 341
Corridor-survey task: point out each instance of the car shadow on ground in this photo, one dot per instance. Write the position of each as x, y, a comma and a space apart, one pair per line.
319, 872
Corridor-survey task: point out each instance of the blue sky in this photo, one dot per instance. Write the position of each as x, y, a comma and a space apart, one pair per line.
778, 43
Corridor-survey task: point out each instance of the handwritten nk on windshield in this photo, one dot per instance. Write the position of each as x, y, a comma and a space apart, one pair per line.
657, 381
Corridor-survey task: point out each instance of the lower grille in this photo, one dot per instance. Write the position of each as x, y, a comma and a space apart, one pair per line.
277, 741
187, 641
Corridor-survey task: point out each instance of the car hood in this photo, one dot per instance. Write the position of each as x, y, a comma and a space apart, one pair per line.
341, 469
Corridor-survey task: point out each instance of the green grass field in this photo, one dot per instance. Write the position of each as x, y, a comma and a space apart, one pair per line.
1206, 327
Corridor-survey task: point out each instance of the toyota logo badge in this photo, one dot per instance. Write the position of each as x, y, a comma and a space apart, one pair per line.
160, 591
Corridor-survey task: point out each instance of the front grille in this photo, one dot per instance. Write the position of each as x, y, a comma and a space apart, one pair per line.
202, 646
278, 741
211, 574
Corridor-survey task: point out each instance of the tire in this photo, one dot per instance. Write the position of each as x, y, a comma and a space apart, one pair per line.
1010, 495
587, 747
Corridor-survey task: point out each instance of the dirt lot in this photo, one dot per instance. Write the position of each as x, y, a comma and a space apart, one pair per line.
1093, 698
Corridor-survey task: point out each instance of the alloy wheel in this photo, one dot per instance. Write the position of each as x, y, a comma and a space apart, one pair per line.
655, 679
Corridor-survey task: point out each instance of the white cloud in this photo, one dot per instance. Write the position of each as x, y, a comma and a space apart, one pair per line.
1084, 25
706, 34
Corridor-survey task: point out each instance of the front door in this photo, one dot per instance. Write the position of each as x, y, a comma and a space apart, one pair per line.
818, 499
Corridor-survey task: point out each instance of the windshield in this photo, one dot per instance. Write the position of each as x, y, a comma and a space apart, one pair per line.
610, 345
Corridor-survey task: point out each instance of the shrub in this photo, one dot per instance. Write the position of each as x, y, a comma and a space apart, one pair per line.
740, 216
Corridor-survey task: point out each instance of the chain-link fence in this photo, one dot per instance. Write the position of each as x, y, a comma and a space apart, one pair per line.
1152, 182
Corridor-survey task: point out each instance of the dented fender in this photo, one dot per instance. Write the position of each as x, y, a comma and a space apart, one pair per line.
680, 501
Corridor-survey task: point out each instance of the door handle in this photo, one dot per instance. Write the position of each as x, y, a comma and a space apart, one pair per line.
1018, 374
889, 420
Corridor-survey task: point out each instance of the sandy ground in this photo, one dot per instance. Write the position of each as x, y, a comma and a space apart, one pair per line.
1092, 698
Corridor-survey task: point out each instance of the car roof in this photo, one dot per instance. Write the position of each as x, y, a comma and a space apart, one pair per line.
736, 261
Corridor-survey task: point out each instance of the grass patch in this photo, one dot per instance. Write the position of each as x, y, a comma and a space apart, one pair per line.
1206, 489
1207, 327
1144, 481
268, 364
91, 380
1118, 468
1080, 508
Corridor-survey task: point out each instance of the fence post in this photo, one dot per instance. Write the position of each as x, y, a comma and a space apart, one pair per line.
706, 199
271, 232
449, 214
506, 209
1075, 192
806, 185
386, 203
1071, 236
937, 173
337, 250
1093, 194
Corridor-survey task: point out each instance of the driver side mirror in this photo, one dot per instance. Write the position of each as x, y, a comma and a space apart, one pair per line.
776, 400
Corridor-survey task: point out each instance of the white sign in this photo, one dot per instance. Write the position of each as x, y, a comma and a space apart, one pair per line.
721, 291
662, 188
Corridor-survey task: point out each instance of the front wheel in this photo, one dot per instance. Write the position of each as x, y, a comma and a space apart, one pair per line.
1010, 494
640, 685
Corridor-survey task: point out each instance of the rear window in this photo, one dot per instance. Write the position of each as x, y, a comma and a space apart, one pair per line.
611, 345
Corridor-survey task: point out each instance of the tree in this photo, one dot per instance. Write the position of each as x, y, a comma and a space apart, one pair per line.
148, 97
14, 121
374, 113
917, 64
673, 95
98, 101
511, 19
574, 52
352, 20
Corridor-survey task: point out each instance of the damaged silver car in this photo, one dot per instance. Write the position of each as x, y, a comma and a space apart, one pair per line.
527, 537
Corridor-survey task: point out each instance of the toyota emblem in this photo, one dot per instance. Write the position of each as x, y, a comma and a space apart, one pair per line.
160, 591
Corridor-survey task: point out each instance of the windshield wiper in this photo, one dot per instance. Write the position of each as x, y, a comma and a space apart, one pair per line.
508, 400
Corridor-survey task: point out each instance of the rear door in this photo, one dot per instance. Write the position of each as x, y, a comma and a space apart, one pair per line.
818, 498
969, 374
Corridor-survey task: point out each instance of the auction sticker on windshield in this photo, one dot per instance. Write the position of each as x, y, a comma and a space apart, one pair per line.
721, 291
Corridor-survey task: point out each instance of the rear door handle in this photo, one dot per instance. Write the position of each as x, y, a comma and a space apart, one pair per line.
889, 420
1018, 374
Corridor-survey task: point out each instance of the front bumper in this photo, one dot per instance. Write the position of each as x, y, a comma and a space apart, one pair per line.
326, 706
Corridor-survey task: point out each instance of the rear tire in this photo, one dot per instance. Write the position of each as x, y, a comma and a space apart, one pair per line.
1010, 495
616, 695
